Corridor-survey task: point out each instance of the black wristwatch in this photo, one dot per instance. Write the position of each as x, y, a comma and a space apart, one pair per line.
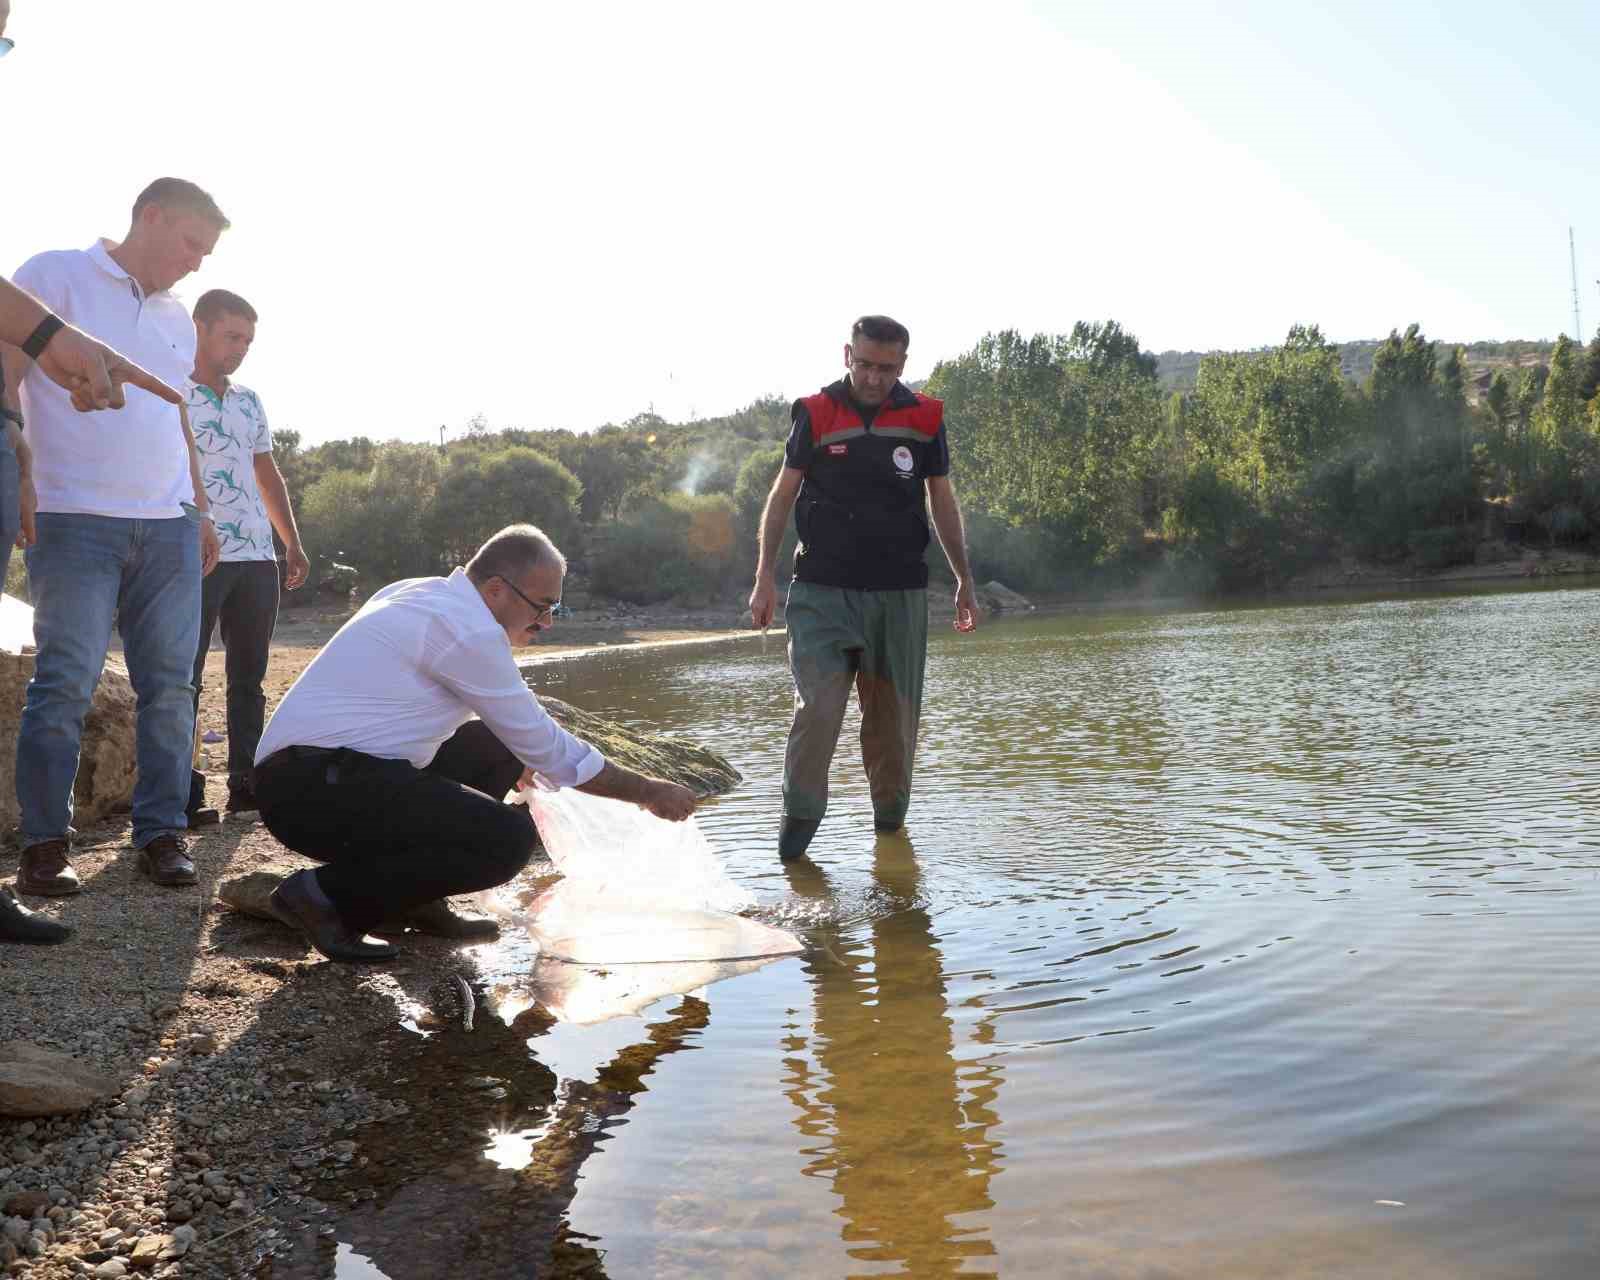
39, 339
11, 415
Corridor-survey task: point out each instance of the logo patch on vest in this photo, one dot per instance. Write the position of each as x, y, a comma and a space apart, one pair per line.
838, 448
902, 458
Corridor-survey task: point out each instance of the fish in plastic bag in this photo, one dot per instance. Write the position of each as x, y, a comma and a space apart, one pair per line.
635, 889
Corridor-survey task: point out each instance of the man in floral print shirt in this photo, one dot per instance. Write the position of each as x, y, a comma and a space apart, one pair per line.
250, 500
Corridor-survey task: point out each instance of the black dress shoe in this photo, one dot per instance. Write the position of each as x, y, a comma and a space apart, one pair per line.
297, 906
18, 924
438, 920
794, 836
241, 800
166, 861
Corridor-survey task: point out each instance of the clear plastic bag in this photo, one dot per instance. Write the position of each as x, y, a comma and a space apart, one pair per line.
16, 625
636, 889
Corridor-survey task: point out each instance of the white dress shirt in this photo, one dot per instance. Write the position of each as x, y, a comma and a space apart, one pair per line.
132, 463
419, 660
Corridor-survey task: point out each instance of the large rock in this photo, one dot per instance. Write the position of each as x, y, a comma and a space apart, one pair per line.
249, 894
999, 598
703, 772
106, 765
41, 1082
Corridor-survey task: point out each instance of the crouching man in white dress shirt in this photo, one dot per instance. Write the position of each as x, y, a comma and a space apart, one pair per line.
390, 757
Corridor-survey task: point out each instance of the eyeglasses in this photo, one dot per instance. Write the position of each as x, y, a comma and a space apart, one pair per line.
541, 610
858, 365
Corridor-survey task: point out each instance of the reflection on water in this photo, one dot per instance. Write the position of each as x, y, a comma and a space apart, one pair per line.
885, 1115
1232, 943
1266, 918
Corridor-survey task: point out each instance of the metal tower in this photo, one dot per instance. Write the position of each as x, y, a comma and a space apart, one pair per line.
1577, 318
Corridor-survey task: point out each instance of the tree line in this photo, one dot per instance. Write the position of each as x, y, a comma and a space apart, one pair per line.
1077, 471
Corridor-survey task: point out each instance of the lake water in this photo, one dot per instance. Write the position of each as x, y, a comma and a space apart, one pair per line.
1256, 941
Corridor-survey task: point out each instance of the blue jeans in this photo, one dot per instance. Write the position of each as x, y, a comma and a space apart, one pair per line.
84, 572
10, 505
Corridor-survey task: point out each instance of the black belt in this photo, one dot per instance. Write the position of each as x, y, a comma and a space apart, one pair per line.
302, 753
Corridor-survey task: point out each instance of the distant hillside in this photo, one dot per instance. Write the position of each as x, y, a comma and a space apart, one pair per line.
1177, 370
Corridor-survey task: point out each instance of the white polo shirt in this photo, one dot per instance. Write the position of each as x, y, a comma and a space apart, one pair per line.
129, 462
416, 662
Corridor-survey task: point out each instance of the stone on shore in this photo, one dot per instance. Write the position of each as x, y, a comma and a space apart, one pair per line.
704, 772
248, 894
41, 1082
996, 597
106, 765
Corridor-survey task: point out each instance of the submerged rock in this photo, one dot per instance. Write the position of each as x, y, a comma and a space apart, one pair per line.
703, 771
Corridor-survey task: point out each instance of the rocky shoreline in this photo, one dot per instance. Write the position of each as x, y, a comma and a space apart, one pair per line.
263, 1109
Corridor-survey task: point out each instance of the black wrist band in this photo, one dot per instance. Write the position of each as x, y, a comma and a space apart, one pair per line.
39, 339
11, 415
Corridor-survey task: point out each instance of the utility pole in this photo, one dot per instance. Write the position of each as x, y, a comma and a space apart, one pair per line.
441, 437
1577, 319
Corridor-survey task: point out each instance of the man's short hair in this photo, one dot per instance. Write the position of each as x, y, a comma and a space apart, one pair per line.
216, 303
881, 329
515, 550
179, 195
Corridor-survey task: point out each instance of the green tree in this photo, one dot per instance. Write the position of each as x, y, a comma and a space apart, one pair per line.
1054, 431
1589, 379
481, 494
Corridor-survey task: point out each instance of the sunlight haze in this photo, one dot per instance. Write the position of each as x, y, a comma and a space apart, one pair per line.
559, 216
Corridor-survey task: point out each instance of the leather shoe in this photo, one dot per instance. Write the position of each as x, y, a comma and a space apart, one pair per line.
18, 924
202, 817
241, 800
438, 920
295, 904
45, 870
166, 861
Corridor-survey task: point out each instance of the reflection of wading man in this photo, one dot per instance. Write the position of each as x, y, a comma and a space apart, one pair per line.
865, 463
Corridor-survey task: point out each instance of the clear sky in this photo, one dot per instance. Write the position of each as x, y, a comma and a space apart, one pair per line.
561, 215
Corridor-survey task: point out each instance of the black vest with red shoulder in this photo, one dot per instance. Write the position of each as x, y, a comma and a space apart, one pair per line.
862, 509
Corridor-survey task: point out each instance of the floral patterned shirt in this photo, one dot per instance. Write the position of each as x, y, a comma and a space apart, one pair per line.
228, 433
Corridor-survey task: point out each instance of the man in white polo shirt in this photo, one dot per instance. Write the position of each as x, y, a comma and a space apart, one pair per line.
374, 764
250, 502
124, 534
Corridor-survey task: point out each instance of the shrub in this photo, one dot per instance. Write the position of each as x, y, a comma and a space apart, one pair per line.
675, 547
482, 493
1441, 548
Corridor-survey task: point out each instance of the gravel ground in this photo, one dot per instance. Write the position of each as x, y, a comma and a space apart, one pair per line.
272, 1107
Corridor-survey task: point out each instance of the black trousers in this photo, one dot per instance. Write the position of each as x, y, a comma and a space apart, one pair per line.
394, 836
243, 594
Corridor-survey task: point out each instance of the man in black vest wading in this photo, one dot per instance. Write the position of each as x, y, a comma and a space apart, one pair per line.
865, 465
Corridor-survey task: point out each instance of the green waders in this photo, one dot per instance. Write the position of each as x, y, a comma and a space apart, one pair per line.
879, 641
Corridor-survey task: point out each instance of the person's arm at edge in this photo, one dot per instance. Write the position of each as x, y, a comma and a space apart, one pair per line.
12, 365
210, 545
275, 497
946, 512
774, 520
90, 370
